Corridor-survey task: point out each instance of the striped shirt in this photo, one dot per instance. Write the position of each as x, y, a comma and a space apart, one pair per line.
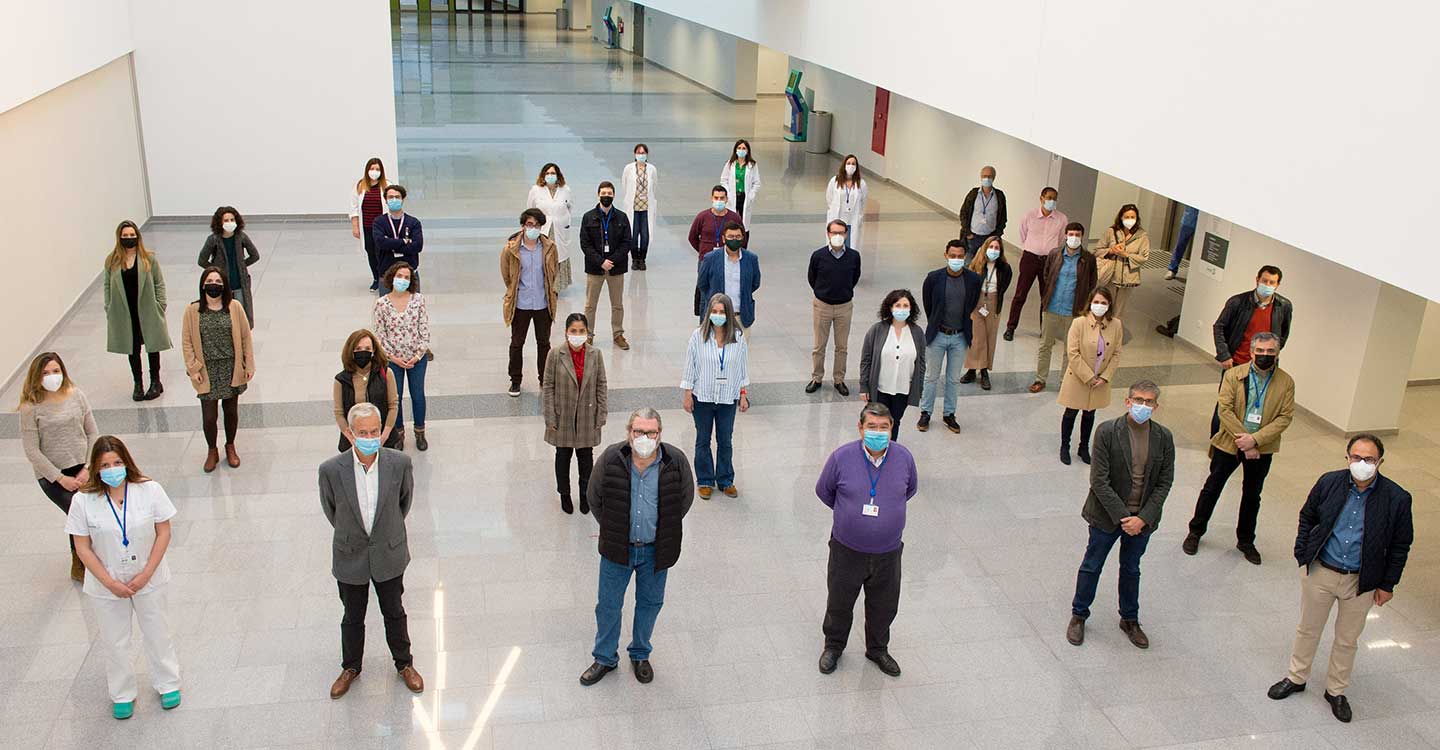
707, 379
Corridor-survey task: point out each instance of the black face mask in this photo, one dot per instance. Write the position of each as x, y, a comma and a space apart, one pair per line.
363, 358
129, 243
214, 290
1265, 361
606, 200
734, 244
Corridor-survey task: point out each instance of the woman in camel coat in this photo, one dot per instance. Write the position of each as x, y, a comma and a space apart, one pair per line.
1122, 251
1093, 346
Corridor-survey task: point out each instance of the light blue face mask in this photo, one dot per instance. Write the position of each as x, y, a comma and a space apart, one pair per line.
901, 314
532, 233
719, 205
394, 203
1264, 290
551, 179
986, 182
401, 283
955, 264
114, 475
1050, 204
1141, 413
642, 158
992, 254
717, 319
367, 446
877, 440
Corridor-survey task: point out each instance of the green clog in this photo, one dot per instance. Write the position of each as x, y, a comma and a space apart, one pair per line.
124, 710
170, 700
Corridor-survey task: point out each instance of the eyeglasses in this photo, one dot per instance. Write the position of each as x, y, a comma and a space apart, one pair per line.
1372, 460
1151, 402
652, 434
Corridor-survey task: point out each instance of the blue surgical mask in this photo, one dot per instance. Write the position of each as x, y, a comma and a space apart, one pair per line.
394, 203
992, 254
114, 475
719, 205
401, 283
551, 179
955, 264
717, 319
1264, 290
532, 233
986, 182
1141, 413
901, 314
367, 446
877, 440
641, 157
1050, 205
741, 153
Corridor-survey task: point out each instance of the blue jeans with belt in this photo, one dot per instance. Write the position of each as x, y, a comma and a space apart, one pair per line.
649, 597
1132, 548
949, 347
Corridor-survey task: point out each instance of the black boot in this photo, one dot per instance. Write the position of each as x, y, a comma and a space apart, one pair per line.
1084, 453
156, 388
968, 377
139, 394
566, 505
1065, 451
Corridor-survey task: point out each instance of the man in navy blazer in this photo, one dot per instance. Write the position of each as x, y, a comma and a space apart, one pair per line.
397, 234
949, 295
1354, 538
735, 273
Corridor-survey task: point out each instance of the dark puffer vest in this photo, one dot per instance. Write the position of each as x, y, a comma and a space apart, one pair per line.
609, 496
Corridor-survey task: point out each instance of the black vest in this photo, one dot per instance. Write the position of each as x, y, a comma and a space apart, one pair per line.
615, 520
375, 392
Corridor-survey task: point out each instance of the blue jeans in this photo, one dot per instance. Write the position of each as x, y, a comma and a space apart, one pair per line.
649, 597
640, 240
416, 376
1131, 550
1182, 243
951, 348
721, 419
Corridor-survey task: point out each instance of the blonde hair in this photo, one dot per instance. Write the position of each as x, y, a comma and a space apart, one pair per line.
33, 392
143, 257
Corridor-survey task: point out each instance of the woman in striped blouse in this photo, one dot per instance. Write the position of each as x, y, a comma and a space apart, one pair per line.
716, 374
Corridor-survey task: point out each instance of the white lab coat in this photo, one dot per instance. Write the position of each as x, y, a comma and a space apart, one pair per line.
752, 186
557, 210
627, 195
847, 205
358, 196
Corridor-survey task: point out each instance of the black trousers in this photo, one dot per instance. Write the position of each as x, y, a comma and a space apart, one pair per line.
370, 256
1067, 426
61, 496
135, 374
356, 598
848, 572
519, 324
896, 403
1222, 465
585, 457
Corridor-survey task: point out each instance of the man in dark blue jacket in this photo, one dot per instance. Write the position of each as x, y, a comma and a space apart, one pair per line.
735, 273
1355, 535
397, 235
949, 295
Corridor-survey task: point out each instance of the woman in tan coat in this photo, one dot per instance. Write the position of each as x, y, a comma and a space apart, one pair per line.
219, 358
574, 398
1094, 347
1124, 248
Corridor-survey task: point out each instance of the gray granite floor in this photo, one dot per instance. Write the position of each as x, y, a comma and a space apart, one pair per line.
501, 590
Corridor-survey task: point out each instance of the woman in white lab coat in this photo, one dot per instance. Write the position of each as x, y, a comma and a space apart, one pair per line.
120, 521
639, 201
551, 195
845, 197
367, 203
741, 178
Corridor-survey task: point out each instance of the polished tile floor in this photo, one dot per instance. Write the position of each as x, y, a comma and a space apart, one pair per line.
501, 590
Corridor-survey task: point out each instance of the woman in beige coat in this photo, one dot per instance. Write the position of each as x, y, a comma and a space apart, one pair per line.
1124, 248
1094, 347
219, 358
573, 399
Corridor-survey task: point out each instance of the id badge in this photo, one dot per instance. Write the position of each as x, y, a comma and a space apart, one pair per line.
1253, 417
721, 380
606, 251
870, 509
984, 312
129, 564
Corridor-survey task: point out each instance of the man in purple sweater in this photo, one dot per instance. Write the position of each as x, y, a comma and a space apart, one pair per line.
868, 484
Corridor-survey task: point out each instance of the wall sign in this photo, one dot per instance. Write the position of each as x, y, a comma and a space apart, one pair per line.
1213, 252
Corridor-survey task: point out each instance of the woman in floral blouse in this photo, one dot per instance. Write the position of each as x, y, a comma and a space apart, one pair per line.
403, 327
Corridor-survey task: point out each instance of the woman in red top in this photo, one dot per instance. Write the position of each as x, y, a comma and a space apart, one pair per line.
366, 205
573, 400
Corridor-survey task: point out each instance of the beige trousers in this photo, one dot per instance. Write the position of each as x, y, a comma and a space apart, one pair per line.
1052, 328
827, 317
616, 285
1320, 589
1122, 299
984, 332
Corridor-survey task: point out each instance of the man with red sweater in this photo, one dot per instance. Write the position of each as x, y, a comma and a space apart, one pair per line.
707, 231
1246, 314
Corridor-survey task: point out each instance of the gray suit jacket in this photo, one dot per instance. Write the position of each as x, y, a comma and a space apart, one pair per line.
1110, 475
359, 558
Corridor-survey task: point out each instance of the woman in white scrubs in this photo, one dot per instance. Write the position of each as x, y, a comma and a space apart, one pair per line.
741, 178
845, 198
551, 195
120, 520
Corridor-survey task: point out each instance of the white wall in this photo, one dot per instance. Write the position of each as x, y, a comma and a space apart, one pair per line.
773, 71
1266, 151
712, 58
1427, 349
45, 44
268, 105
84, 179
1111, 193
851, 102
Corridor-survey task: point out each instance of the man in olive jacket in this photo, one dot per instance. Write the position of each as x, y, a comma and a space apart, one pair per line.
1131, 470
640, 491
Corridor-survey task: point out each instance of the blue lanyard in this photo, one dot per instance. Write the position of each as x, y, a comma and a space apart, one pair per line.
1256, 391
605, 226
985, 202
722, 357
874, 476
120, 520
719, 231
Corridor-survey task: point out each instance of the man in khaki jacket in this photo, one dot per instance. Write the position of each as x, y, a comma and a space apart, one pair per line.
1256, 405
528, 265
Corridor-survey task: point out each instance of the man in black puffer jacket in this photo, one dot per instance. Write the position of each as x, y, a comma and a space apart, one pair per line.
640, 491
1355, 534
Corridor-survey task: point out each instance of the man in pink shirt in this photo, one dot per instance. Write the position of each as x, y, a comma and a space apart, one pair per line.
1041, 231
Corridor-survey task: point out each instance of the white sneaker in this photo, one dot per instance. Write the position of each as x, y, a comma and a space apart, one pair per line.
1169, 274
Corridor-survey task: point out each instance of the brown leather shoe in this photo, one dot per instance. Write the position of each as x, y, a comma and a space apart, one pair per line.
1075, 631
705, 492
730, 491
342, 683
1137, 636
231, 457
412, 680
212, 459
1037, 386
621, 343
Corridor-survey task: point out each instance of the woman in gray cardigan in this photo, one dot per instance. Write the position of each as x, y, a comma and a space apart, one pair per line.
573, 401
230, 249
892, 364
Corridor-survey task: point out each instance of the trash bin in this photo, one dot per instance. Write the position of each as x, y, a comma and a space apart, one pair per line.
562, 19
817, 132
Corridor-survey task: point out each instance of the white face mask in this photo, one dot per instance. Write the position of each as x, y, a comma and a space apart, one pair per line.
850, 169
53, 381
1072, 242
229, 226
1099, 309
1362, 472
577, 341
837, 241
1129, 223
374, 175
644, 446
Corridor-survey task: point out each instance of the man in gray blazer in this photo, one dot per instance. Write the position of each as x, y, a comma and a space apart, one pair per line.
366, 493
1131, 470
